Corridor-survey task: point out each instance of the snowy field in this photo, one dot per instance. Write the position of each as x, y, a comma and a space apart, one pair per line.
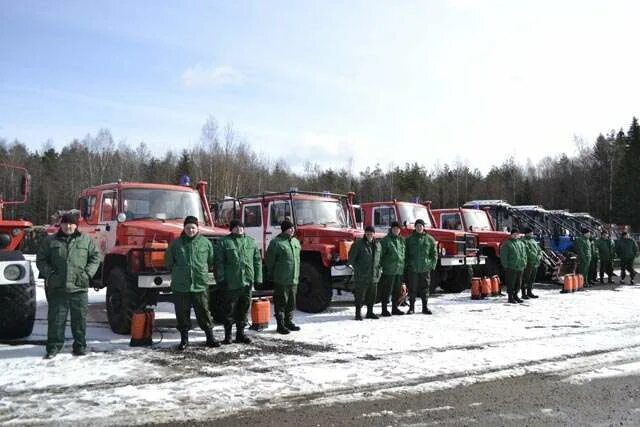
576, 337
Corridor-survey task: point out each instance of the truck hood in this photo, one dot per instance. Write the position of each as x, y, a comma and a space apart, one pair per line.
334, 233
165, 230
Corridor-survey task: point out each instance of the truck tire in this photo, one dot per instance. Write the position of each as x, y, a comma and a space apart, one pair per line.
17, 308
458, 281
123, 299
314, 289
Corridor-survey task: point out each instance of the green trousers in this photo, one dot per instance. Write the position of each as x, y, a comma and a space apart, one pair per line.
183, 301
419, 284
513, 280
365, 294
236, 303
284, 300
390, 285
583, 268
60, 304
529, 276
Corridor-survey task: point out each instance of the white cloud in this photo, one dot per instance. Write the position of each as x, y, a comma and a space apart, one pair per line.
201, 75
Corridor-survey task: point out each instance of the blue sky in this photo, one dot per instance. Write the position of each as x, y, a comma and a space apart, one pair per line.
383, 82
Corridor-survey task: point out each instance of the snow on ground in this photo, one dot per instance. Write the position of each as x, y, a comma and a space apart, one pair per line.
577, 337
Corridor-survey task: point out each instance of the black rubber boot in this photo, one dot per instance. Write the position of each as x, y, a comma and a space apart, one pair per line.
530, 294
512, 300
515, 297
524, 294
184, 340
291, 326
412, 306
281, 328
211, 340
385, 312
395, 310
358, 315
227, 335
425, 308
370, 314
241, 338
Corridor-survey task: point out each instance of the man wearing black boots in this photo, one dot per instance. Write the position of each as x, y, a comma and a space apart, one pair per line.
189, 258
421, 259
534, 255
238, 268
513, 258
283, 269
364, 257
392, 262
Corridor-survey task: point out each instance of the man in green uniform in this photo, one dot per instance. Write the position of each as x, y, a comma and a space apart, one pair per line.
189, 258
582, 248
513, 258
238, 268
534, 255
421, 259
595, 257
627, 251
67, 261
283, 269
606, 252
364, 257
392, 262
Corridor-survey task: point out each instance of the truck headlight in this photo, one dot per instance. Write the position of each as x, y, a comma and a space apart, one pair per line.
13, 272
443, 251
5, 240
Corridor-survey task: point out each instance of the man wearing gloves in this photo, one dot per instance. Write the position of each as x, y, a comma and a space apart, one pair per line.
364, 257
392, 262
421, 260
189, 258
238, 268
283, 269
67, 261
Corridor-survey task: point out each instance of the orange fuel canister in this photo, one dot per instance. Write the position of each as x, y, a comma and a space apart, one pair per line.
485, 287
580, 281
142, 327
567, 285
475, 288
260, 313
495, 286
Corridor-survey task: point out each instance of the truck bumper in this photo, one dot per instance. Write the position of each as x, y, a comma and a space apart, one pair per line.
161, 281
25, 272
462, 260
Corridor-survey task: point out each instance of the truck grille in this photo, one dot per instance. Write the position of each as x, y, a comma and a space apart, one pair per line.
460, 250
471, 241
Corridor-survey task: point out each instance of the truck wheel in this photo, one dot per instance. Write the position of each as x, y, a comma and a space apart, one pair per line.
314, 290
458, 281
122, 300
17, 309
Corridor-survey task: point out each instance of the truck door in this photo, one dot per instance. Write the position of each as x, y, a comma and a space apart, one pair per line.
252, 219
383, 216
278, 211
107, 227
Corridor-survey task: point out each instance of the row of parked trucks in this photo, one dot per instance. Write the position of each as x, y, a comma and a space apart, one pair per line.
132, 224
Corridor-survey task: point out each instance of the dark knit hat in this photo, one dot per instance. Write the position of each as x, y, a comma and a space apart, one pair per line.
515, 230
69, 218
585, 231
190, 220
369, 229
285, 225
395, 224
527, 230
419, 221
235, 223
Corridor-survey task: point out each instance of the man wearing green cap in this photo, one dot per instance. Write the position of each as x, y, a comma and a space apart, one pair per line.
513, 258
67, 261
392, 262
421, 260
364, 257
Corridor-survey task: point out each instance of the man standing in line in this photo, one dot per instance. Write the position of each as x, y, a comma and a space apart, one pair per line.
364, 257
627, 250
283, 269
238, 268
67, 261
534, 255
189, 258
513, 259
582, 247
595, 257
421, 259
392, 262
606, 252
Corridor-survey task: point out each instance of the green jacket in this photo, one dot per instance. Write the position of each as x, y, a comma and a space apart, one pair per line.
582, 248
626, 248
189, 260
238, 261
283, 260
364, 257
392, 254
534, 253
513, 255
595, 256
421, 253
606, 249
68, 262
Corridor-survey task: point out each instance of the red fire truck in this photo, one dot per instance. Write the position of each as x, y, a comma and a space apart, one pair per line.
17, 284
458, 250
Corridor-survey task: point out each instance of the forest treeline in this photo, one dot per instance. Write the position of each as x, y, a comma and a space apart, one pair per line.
603, 178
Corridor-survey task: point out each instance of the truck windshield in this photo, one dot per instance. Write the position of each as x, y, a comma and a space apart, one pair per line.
141, 203
476, 220
321, 212
409, 213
